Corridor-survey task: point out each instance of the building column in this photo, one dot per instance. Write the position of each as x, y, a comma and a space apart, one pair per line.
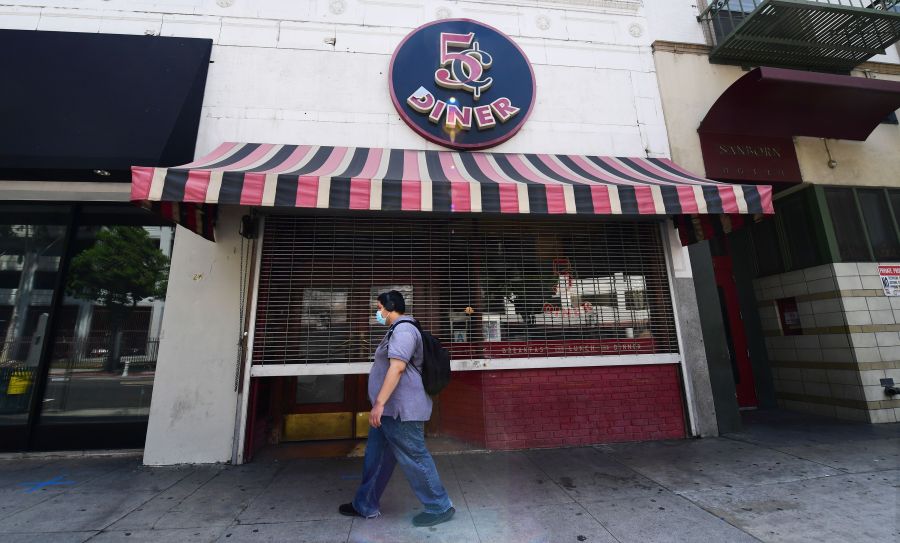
192, 412
698, 388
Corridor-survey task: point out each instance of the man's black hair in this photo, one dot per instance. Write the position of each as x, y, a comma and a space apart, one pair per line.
393, 301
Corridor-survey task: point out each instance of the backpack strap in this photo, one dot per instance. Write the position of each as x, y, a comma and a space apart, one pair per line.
415, 323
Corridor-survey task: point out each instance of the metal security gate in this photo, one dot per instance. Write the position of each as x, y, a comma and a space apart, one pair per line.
488, 288
499, 293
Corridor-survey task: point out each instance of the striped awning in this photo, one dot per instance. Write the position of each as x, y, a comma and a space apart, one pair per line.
357, 178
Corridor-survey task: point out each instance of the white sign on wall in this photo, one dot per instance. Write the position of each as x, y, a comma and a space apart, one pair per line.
890, 279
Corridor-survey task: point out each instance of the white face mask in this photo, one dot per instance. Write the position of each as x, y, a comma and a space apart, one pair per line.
380, 318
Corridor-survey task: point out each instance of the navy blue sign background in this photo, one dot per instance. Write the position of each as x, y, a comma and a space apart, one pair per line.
418, 56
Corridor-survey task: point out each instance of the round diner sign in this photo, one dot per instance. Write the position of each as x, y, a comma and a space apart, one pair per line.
462, 84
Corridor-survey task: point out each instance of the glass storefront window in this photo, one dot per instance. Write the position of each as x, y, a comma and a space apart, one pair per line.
104, 354
30, 256
82, 292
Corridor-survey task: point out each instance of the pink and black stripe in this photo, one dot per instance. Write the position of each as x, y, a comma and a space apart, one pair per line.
362, 178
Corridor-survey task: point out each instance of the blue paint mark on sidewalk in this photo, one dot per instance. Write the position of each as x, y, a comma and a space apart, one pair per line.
40, 485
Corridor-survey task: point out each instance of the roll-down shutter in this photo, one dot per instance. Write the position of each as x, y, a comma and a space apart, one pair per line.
489, 288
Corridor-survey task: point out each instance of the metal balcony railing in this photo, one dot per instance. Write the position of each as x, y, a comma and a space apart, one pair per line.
824, 35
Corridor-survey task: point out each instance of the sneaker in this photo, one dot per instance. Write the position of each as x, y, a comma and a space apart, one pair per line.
431, 519
348, 510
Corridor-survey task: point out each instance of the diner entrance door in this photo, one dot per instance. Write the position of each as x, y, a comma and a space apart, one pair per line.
318, 407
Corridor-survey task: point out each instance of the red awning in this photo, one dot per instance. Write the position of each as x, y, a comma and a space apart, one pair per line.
784, 103
356, 178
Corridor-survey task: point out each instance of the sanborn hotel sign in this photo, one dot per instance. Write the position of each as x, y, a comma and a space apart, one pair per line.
750, 158
462, 84
760, 151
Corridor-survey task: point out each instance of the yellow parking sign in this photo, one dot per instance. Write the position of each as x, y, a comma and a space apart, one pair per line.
19, 383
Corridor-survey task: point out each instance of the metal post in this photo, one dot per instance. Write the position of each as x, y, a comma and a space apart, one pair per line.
240, 423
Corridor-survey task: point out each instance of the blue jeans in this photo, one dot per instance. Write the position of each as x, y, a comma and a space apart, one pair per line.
399, 442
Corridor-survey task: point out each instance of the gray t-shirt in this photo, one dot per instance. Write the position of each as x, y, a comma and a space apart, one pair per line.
409, 400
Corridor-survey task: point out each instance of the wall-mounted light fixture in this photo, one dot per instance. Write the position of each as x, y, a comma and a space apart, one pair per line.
832, 163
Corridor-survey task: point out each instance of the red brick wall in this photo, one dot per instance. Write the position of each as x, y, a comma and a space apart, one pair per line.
566, 406
462, 408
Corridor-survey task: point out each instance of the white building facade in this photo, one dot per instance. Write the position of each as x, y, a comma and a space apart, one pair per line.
316, 73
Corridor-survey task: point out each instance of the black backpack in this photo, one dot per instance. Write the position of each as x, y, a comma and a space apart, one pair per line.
435, 360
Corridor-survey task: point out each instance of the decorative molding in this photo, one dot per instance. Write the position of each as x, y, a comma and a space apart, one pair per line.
635, 30
632, 6
337, 6
662, 46
542, 22
678, 47
879, 68
88, 191
443, 12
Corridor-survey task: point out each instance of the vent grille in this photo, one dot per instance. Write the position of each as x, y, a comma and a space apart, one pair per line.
488, 288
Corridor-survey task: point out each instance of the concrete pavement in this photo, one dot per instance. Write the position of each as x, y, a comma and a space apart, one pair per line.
786, 477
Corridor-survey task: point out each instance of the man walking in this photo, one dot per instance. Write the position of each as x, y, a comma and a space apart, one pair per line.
400, 408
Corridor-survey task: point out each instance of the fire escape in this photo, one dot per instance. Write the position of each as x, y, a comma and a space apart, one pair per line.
820, 35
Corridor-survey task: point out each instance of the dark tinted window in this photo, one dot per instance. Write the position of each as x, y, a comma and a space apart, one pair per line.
765, 242
879, 224
894, 196
848, 229
44, 280
798, 229
9, 279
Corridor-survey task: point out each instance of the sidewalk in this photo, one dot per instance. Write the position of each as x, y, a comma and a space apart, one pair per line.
786, 477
